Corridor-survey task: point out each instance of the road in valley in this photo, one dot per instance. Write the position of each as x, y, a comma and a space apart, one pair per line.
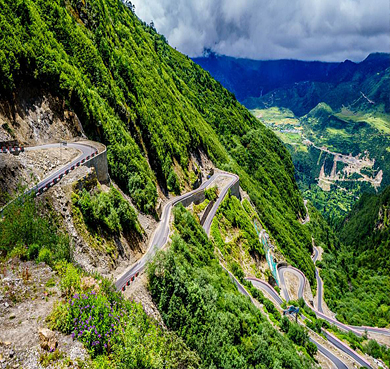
161, 235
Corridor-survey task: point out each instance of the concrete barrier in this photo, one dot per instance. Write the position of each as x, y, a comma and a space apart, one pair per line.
196, 198
206, 212
100, 163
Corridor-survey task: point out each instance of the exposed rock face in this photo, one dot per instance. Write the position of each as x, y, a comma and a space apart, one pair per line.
32, 116
47, 339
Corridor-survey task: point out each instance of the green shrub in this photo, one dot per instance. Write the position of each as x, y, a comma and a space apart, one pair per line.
70, 280
311, 349
108, 210
285, 324
297, 334
173, 183
24, 232
44, 256
211, 193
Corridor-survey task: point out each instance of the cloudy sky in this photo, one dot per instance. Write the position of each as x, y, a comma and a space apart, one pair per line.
330, 30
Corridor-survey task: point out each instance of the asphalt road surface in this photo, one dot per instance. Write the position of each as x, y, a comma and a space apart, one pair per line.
160, 236
262, 285
86, 152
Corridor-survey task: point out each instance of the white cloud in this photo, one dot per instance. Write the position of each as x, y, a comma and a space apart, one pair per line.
331, 30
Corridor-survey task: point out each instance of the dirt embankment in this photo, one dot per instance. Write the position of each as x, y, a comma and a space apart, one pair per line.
33, 117
30, 167
28, 292
292, 285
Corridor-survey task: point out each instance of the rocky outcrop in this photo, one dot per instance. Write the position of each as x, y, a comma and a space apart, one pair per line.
47, 339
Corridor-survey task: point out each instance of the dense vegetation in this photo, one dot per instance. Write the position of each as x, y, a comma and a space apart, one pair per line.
198, 300
366, 231
150, 105
116, 332
25, 233
356, 281
107, 210
234, 235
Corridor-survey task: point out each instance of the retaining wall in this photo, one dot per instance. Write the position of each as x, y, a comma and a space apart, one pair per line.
99, 162
235, 190
196, 198
206, 212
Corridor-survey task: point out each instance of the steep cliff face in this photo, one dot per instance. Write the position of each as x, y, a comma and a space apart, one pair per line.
152, 106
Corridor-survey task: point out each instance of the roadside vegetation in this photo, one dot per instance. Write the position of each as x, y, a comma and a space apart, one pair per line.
355, 272
234, 235
362, 344
25, 233
197, 299
116, 332
108, 211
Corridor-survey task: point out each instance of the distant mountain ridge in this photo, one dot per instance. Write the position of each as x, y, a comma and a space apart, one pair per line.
301, 85
252, 78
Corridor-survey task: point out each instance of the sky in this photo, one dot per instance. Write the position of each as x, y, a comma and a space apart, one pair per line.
327, 30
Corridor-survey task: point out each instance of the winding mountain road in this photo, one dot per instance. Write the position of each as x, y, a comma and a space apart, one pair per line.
320, 314
359, 330
87, 152
161, 235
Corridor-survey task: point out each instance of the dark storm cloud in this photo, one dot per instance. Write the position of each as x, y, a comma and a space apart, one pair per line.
331, 30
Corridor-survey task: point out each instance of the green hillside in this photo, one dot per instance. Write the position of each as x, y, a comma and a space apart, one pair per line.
150, 105
356, 272
362, 86
363, 134
198, 300
366, 230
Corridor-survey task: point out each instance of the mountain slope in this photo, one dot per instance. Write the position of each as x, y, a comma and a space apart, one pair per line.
356, 272
300, 85
359, 86
366, 231
151, 106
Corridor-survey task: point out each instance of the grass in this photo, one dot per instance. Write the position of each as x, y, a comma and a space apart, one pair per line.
378, 121
93, 239
338, 132
276, 115
48, 358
